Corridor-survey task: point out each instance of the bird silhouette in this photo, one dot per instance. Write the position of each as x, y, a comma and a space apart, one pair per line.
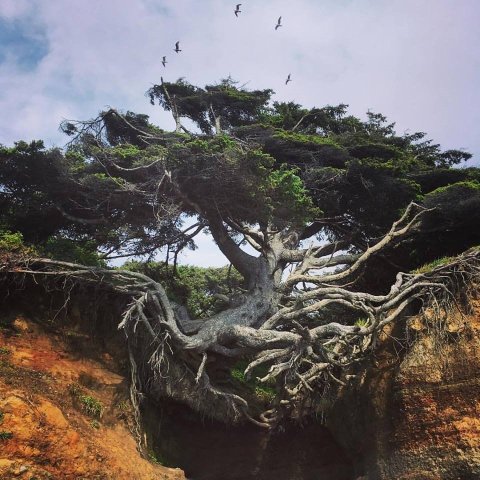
237, 10
279, 23
164, 61
289, 79
177, 47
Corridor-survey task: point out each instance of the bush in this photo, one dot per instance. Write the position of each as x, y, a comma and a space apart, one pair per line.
5, 435
91, 406
65, 249
194, 287
11, 241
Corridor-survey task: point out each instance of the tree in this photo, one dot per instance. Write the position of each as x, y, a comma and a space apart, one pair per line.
318, 195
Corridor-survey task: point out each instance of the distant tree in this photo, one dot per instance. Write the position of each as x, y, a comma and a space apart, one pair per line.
322, 197
214, 108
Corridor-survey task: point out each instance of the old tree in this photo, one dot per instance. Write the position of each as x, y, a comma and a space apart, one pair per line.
321, 215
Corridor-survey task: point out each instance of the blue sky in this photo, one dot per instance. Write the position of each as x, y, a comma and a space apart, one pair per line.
416, 61
22, 42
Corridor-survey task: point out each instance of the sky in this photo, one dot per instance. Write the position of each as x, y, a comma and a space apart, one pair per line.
415, 61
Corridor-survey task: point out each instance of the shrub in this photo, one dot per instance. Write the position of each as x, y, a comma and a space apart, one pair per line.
432, 265
5, 435
10, 240
91, 406
65, 249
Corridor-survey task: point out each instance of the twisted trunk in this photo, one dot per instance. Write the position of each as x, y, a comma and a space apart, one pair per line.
299, 326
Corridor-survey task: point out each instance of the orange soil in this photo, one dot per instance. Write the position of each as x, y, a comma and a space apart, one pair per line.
44, 433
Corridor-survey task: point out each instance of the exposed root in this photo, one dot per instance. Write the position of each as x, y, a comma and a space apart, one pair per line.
306, 356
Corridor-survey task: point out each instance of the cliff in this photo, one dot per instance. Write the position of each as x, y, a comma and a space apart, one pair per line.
414, 413
64, 413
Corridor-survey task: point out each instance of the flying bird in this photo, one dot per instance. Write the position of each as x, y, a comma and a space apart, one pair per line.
177, 47
289, 79
279, 23
237, 10
164, 61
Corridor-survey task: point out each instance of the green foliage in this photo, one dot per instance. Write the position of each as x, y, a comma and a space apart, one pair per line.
5, 435
459, 187
11, 241
88, 404
95, 424
28, 176
287, 196
4, 351
218, 144
361, 322
223, 103
303, 138
428, 267
81, 252
455, 205
76, 161
264, 392
194, 287
91, 406
122, 184
45, 193
237, 373
126, 151
155, 458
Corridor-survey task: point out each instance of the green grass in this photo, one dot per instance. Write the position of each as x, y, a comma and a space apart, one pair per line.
428, 267
74, 389
91, 406
237, 374
154, 458
361, 322
4, 351
95, 424
264, 392
123, 406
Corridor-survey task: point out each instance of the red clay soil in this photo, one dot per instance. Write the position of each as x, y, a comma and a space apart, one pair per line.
47, 430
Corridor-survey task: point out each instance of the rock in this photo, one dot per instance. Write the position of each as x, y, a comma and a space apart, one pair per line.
417, 419
22, 469
21, 325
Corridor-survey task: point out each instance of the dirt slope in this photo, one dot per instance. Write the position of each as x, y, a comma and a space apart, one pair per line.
63, 416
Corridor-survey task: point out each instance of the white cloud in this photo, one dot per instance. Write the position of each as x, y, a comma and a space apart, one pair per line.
11, 9
416, 62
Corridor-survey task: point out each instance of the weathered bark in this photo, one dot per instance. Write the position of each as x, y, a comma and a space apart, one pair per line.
300, 326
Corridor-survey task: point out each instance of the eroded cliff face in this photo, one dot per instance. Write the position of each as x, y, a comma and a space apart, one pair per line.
64, 415
416, 413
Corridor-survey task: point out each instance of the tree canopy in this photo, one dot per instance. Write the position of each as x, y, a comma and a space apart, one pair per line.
335, 207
